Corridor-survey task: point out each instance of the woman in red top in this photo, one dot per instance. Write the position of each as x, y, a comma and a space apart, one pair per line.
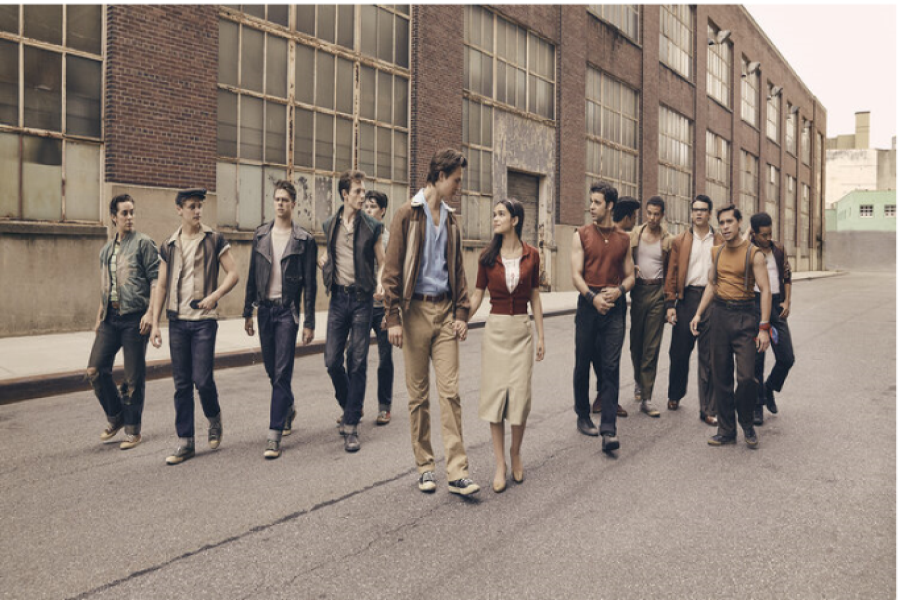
510, 270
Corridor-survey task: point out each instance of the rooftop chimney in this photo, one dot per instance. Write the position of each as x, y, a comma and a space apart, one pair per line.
862, 129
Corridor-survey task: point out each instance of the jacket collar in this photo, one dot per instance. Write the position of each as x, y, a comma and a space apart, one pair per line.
297, 232
419, 201
205, 229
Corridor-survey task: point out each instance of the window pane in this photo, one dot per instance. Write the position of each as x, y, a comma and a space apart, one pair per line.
250, 186
9, 175
487, 126
385, 86
44, 22
344, 86
276, 133
270, 176
82, 182
306, 18
367, 148
251, 128
343, 158
9, 83
9, 18
83, 85
84, 27
401, 154
324, 80
276, 66
345, 25
324, 142
401, 101
385, 153
305, 73
226, 138
226, 194
401, 43
255, 10
385, 35
252, 59
325, 22
42, 178
278, 13
368, 23
43, 89
303, 137
228, 52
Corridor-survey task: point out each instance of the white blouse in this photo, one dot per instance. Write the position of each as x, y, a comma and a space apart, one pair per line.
511, 265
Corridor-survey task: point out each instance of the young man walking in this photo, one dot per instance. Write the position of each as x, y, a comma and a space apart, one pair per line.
352, 248
129, 264
425, 282
189, 270
779, 269
376, 207
602, 272
739, 328
282, 272
688, 272
651, 244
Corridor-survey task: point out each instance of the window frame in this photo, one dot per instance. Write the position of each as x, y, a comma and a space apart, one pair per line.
773, 115
718, 161
604, 12
749, 94
718, 67
678, 205
681, 30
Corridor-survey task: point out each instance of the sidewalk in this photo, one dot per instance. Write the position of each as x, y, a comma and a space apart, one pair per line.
45, 365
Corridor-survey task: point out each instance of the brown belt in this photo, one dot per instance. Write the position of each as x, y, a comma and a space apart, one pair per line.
657, 281
431, 298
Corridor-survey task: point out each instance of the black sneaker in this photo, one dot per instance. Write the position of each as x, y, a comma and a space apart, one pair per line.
587, 427
182, 453
610, 442
289, 422
758, 415
721, 440
751, 439
215, 432
463, 487
351, 438
770, 401
112, 428
273, 449
426, 482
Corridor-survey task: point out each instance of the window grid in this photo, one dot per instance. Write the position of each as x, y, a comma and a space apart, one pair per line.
790, 209
676, 167
773, 195
51, 113
508, 64
612, 119
790, 132
890, 210
624, 17
676, 38
718, 169
866, 210
773, 115
273, 83
749, 184
718, 74
805, 141
749, 94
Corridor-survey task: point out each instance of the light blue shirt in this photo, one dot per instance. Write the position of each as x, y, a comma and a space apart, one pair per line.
433, 276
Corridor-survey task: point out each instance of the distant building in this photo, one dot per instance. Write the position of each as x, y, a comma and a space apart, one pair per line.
851, 165
862, 232
863, 210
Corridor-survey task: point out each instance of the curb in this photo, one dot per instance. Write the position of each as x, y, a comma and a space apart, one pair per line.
41, 386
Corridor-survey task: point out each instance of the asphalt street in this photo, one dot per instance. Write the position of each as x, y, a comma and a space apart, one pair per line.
810, 514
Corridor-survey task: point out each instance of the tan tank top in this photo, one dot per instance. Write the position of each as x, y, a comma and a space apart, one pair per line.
733, 271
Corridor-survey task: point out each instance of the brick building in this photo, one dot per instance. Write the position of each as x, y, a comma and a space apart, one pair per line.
673, 100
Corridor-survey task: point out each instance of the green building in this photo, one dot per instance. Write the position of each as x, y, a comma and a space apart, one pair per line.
863, 210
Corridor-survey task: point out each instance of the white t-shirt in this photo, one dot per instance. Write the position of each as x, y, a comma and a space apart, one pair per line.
772, 268
189, 246
279, 243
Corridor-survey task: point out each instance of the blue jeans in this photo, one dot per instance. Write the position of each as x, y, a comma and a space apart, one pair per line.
783, 351
598, 340
120, 331
192, 345
385, 360
278, 340
349, 316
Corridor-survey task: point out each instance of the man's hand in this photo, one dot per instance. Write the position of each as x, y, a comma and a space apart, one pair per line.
248, 326
208, 303
395, 335
146, 323
155, 336
695, 325
307, 336
461, 329
671, 317
601, 304
379, 293
322, 260
611, 294
785, 309
762, 341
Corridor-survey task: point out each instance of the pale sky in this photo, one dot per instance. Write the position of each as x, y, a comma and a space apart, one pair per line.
846, 56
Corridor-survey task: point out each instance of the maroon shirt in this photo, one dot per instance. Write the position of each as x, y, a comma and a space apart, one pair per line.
493, 279
604, 255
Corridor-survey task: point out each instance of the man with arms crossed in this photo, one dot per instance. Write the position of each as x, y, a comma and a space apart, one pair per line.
602, 272
425, 283
738, 327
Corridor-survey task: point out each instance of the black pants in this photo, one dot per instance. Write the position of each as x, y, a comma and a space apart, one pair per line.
734, 328
385, 360
783, 351
598, 341
681, 347
192, 346
278, 341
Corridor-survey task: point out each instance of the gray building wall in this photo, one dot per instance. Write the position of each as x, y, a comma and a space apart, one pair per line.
861, 251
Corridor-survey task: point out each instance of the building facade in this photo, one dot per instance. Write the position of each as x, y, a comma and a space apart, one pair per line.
852, 165
674, 100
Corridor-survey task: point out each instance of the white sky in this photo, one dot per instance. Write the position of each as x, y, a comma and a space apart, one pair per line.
846, 56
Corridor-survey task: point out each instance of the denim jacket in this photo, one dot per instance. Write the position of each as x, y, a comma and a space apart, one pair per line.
298, 273
137, 267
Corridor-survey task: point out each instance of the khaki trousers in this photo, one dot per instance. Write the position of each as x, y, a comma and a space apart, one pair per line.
428, 337
648, 318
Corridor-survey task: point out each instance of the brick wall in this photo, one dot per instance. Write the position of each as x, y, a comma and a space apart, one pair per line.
161, 72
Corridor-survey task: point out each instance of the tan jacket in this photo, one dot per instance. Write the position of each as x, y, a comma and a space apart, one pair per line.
666, 239
404, 253
679, 261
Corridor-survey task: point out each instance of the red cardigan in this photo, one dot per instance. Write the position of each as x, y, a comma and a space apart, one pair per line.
493, 279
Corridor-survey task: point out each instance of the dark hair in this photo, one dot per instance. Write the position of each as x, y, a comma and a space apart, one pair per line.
346, 181
287, 186
445, 161
703, 198
514, 207
657, 201
379, 197
610, 194
624, 208
737, 212
115, 202
760, 220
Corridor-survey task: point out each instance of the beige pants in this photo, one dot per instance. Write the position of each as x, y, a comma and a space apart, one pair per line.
428, 337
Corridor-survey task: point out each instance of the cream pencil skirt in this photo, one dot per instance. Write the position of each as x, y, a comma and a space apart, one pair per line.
507, 360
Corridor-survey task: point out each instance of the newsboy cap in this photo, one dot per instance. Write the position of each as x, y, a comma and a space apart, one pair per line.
192, 193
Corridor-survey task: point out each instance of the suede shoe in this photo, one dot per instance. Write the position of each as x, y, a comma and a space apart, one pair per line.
673, 404
758, 415
709, 419
131, 440
648, 409
770, 401
112, 428
182, 453
463, 487
620, 412
750, 438
426, 482
351, 438
610, 442
289, 422
215, 432
383, 418
721, 440
586, 426
273, 449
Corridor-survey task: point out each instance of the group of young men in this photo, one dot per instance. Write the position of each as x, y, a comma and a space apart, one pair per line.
720, 291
